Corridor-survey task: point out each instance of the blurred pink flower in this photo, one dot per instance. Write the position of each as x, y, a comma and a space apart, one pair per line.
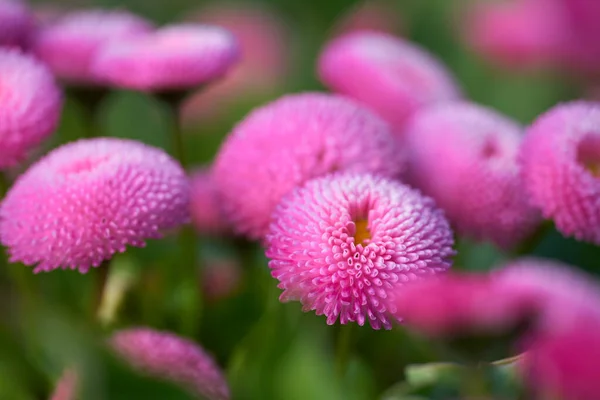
465, 157
88, 199
221, 278
370, 15
66, 387
393, 77
291, 140
583, 47
264, 65
204, 204
168, 356
16, 24
560, 160
70, 44
174, 57
30, 105
342, 244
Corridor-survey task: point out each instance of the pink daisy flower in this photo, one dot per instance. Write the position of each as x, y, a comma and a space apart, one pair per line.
30, 105
168, 356
70, 45
204, 204
560, 160
582, 49
342, 244
465, 157
175, 57
86, 200
392, 76
16, 23
298, 137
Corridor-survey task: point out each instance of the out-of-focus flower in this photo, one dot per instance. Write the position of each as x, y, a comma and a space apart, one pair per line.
168, 356
221, 278
175, 57
582, 49
66, 388
16, 24
465, 157
342, 244
204, 204
264, 65
70, 45
560, 308
86, 200
30, 105
370, 15
393, 77
560, 160
287, 142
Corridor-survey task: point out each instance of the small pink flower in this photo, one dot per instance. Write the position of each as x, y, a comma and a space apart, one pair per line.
66, 388
560, 160
392, 76
204, 203
86, 200
343, 244
168, 356
30, 105
296, 138
70, 45
465, 157
175, 57
16, 23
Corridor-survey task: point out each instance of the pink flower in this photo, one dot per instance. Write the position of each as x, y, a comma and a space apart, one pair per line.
465, 157
392, 76
296, 138
343, 244
560, 160
89, 199
582, 49
168, 356
204, 203
16, 23
66, 388
263, 67
30, 105
371, 15
175, 57
70, 45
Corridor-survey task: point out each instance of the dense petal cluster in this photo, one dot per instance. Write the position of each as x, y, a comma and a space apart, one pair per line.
175, 57
16, 23
70, 44
392, 76
30, 105
168, 356
344, 243
465, 157
86, 200
296, 138
204, 204
560, 160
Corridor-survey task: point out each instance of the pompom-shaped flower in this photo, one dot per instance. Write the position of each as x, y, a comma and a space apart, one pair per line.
296, 138
465, 157
175, 57
30, 105
392, 76
89, 199
70, 45
168, 356
204, 204
16, 23
560, 160
344, 243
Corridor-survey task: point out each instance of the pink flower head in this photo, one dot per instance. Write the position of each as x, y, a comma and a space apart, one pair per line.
392, 76
287, 142
204, 204
70, 45
66, 388
560, 160
582, 49
342, 244
16, 23
370, 15
89, 199
465, 157
521, 33
168, 356
30, 105
175, 57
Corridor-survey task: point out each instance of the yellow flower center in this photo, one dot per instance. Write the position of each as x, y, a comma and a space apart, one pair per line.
362, 233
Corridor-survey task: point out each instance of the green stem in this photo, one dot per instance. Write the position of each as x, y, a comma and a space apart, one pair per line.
89, 98
4, 185
343, 349
100, 280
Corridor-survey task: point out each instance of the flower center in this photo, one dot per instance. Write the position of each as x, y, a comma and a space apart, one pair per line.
362, 233
588, 154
